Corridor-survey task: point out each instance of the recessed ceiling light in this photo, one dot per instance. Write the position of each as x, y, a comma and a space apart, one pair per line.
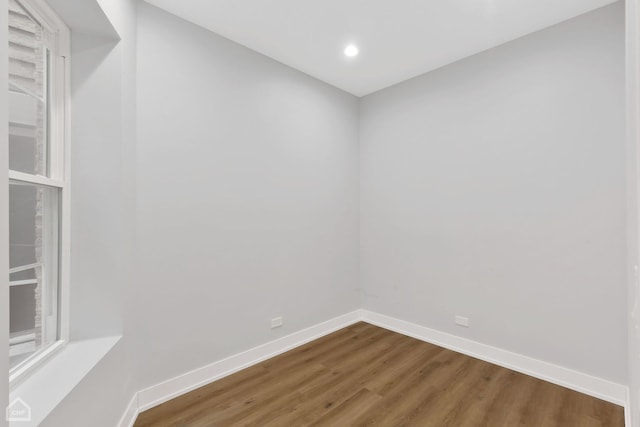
351, 50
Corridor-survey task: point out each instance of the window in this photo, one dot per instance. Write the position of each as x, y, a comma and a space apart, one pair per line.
38, 183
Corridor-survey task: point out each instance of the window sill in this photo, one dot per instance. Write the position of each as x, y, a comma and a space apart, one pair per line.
32, 364
52, 382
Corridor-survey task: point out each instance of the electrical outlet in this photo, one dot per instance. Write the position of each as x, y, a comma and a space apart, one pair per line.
462, 321
276, 322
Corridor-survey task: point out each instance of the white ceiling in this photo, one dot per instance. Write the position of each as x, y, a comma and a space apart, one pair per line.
398, 39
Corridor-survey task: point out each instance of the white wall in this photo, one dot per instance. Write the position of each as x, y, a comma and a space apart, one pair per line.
96, 204
494, 188
247, 198
633, 257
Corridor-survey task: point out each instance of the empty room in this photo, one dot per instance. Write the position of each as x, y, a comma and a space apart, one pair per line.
320, 213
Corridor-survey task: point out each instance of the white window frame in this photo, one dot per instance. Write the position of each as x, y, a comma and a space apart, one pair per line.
57, 40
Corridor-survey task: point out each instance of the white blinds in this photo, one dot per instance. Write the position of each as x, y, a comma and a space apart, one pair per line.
28, 124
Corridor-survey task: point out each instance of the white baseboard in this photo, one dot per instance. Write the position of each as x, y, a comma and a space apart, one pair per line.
160, 393
130, 414
177, 386
627, 408
584, 383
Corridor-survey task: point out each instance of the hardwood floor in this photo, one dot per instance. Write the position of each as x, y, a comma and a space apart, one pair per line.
367, 376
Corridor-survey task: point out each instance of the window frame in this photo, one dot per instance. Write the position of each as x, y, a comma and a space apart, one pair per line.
57, 41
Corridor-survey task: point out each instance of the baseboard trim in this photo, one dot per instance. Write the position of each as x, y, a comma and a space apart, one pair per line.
131, 413
177, 386
627, 408
578, 381
160, 393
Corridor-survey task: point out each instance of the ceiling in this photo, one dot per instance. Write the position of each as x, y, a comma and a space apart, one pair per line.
398, 39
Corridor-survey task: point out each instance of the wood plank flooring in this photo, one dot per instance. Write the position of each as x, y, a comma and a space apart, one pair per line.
367, 376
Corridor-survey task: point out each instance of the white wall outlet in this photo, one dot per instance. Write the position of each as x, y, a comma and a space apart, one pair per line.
276, 322
462, 321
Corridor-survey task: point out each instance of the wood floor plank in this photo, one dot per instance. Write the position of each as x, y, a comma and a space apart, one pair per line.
315, 403
448, 404
347, 373
363, 375
203, 397
337, 342
406, 395
264, 398
508, 405
352, 408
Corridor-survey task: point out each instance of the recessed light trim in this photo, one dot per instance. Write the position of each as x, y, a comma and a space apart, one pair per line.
351, 50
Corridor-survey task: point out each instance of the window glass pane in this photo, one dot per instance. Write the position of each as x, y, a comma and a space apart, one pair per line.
22, 318
33, 259
28, 86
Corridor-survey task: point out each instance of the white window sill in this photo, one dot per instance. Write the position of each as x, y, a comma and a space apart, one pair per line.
52, 382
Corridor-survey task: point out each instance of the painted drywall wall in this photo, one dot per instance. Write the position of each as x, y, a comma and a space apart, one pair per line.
4, 215
632, 14
247, 175
96, 234
494, 188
